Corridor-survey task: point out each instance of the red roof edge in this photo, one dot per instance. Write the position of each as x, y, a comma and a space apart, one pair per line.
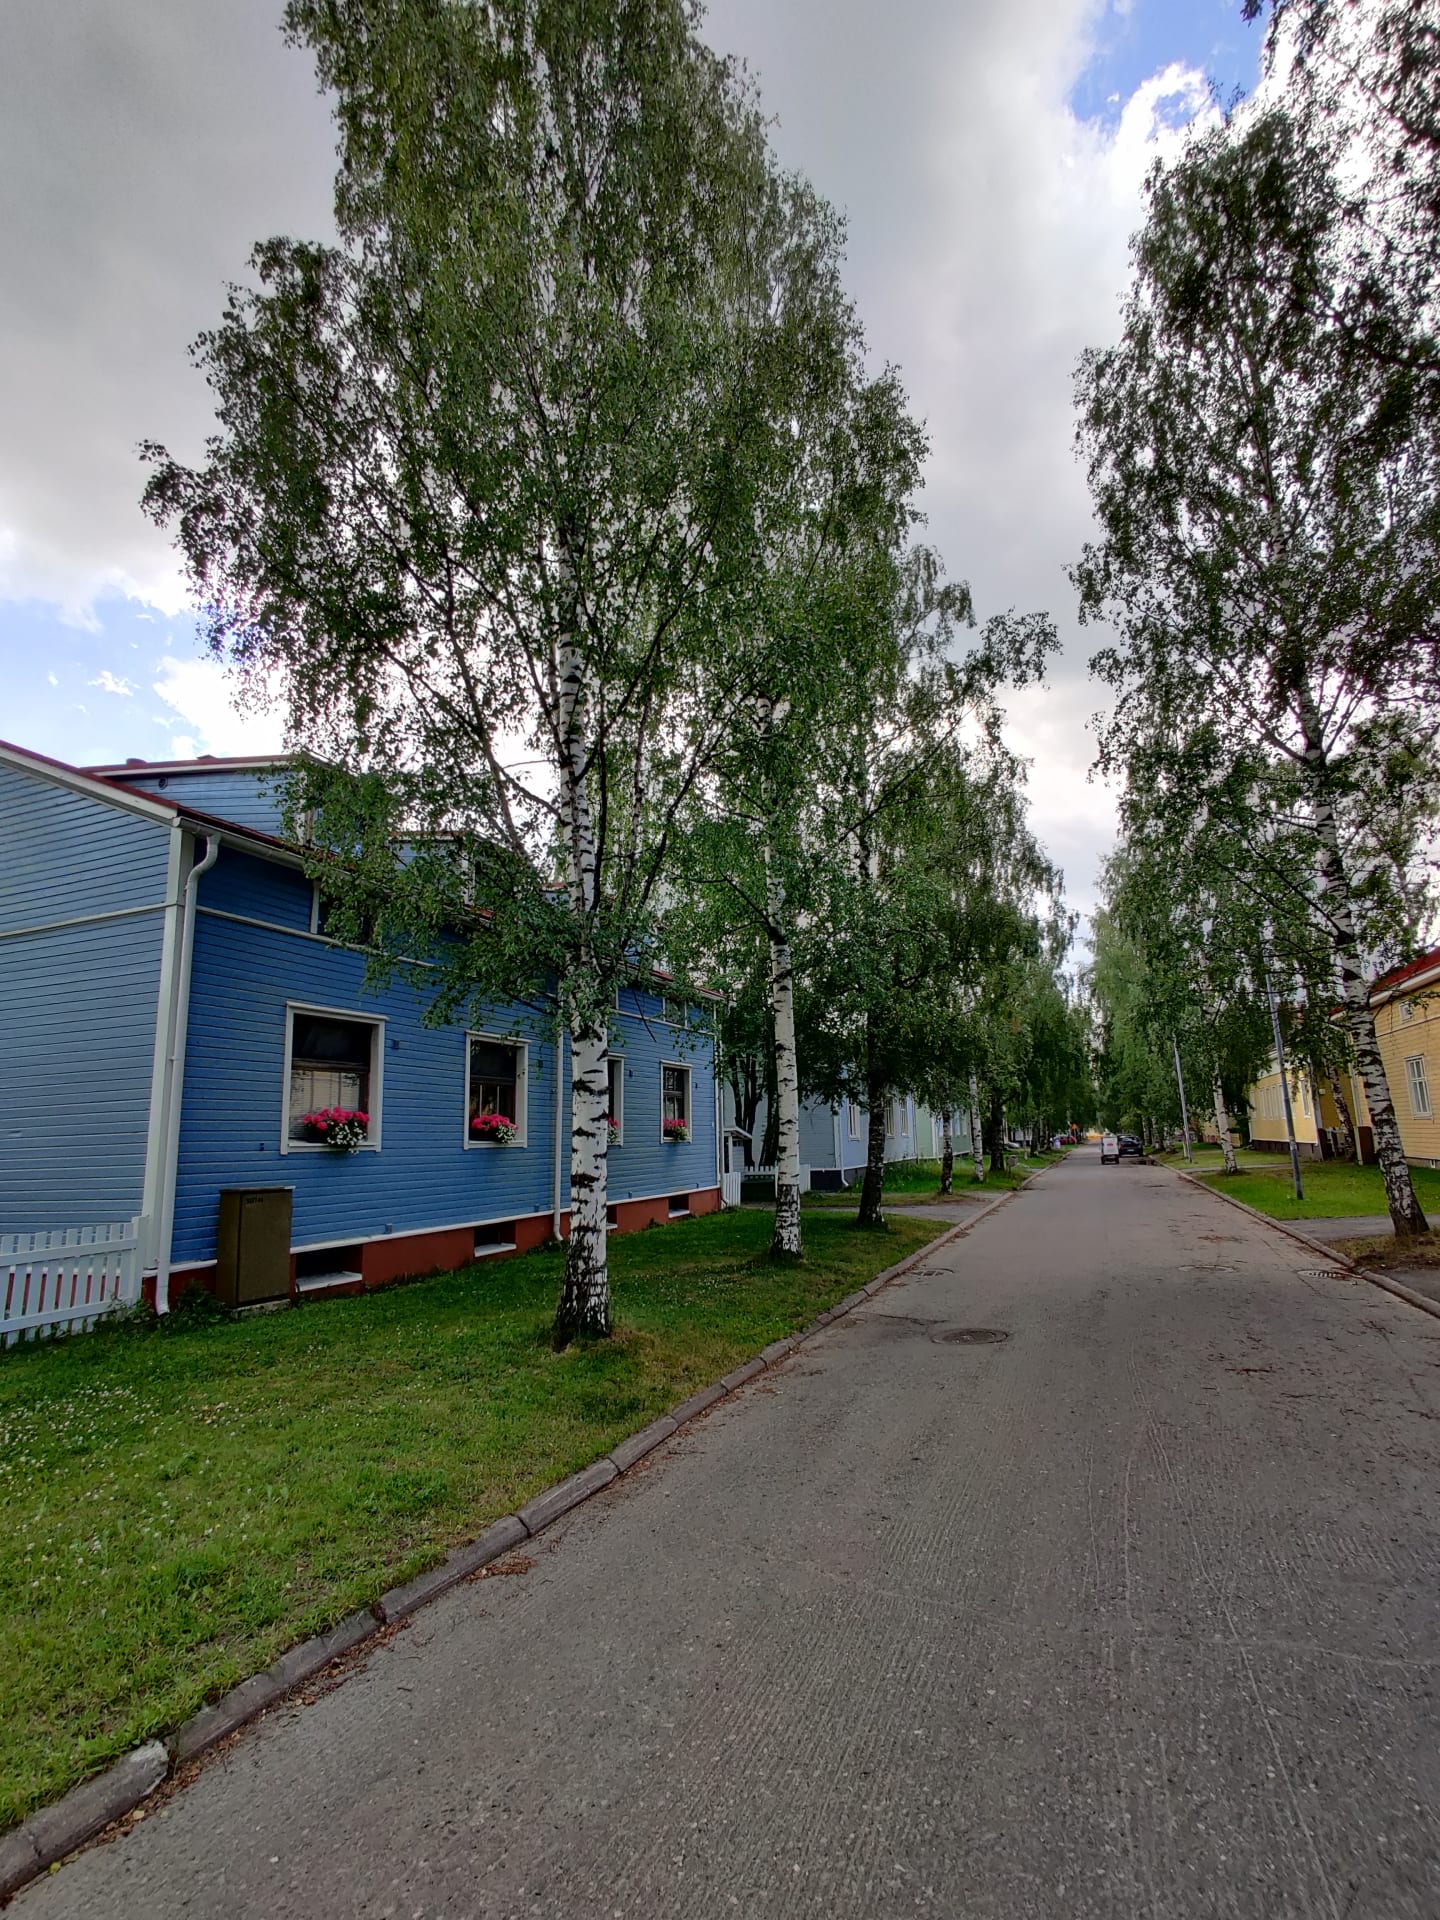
1397, 975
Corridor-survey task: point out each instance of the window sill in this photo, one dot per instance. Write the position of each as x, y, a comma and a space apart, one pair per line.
495, 1146
318, 1146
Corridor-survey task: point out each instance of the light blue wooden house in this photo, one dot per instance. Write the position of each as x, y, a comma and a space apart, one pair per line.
171, 1012
834, 1137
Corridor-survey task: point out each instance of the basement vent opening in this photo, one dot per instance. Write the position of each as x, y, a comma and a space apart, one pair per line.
327, 1267
497, 1237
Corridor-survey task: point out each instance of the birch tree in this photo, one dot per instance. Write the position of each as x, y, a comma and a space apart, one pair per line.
493, 475
775, 820
1268, 510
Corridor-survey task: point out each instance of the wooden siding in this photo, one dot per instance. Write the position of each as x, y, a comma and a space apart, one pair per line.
66, 855
1267, 1111
78, 1004
645, 1164
1399, 1039
423, 1176
260, 889
78, 1009
250, 799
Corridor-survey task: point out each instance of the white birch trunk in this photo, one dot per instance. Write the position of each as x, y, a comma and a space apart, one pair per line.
585, 1297
977, 1140
1222, 1127
584, 1310
1405, 1210
786, 1240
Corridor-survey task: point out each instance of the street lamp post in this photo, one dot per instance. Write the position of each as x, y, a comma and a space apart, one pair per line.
1184, 1109
1284, 1088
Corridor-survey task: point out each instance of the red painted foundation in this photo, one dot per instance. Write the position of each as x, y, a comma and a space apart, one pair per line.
413, 1256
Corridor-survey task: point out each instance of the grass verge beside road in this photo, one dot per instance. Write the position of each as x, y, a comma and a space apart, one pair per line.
916, 1183
1334, 1189
184, 1503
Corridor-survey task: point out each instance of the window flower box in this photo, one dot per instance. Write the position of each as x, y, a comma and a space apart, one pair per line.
494, 1129
341, 1128
612, 1130
677, 1132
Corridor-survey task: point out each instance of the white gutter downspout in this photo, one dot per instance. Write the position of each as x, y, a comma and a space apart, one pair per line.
175, 1075
559, 1132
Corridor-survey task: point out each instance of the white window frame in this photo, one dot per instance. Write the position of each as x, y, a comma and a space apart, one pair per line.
522, 1092
852, 1119
1417, 1080
682, 1066
617, 1060
673, 1011
376, 1107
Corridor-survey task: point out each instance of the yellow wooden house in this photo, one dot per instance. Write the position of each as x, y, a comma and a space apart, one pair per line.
1407, 1025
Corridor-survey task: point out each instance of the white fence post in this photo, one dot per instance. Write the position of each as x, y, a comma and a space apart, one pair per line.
730, 1188
65, 1281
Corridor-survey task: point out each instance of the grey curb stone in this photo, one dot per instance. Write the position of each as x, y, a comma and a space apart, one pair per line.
213, 1723
49, 1835
549, 1505
697, 1403
851, 1301
267, 1688
400, 1602
777, 1350
639, 1444
1332, 1258
742, 1374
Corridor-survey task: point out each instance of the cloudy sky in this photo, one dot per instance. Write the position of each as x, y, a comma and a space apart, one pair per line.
988, 155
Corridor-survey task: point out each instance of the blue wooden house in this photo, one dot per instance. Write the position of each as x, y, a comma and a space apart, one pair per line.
172, 1012
834, 1137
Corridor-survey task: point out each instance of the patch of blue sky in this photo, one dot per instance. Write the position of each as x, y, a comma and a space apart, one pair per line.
1136, 39
88, 695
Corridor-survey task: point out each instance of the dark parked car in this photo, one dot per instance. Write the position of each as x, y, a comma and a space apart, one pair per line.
1130, 1147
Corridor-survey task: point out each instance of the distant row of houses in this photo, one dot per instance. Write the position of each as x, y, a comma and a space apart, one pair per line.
1407, 1025
178, 1023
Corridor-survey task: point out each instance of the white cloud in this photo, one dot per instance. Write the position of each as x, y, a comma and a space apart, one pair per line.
202, 694
144, 149
110, 683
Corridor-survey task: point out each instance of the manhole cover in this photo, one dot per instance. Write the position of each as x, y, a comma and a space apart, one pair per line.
972, 1336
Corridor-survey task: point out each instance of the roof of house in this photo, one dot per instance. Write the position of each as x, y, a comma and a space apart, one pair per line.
104, 783
207, 761
1409, 975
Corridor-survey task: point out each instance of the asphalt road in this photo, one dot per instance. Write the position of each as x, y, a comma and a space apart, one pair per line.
1133, 1613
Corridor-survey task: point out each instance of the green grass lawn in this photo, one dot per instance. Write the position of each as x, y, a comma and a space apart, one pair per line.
1333, 1188
917, 1182
182, 1503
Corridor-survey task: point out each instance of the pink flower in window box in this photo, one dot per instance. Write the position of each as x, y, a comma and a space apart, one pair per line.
676, 1132
493, 1129
341, 1128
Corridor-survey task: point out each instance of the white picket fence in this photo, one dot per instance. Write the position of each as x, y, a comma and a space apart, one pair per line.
730, 1188
63, 1282
759, 1173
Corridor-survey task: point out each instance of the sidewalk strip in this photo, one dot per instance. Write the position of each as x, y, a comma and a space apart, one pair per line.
1333, 1257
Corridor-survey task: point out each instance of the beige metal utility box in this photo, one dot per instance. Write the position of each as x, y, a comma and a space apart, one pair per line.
252, 1255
